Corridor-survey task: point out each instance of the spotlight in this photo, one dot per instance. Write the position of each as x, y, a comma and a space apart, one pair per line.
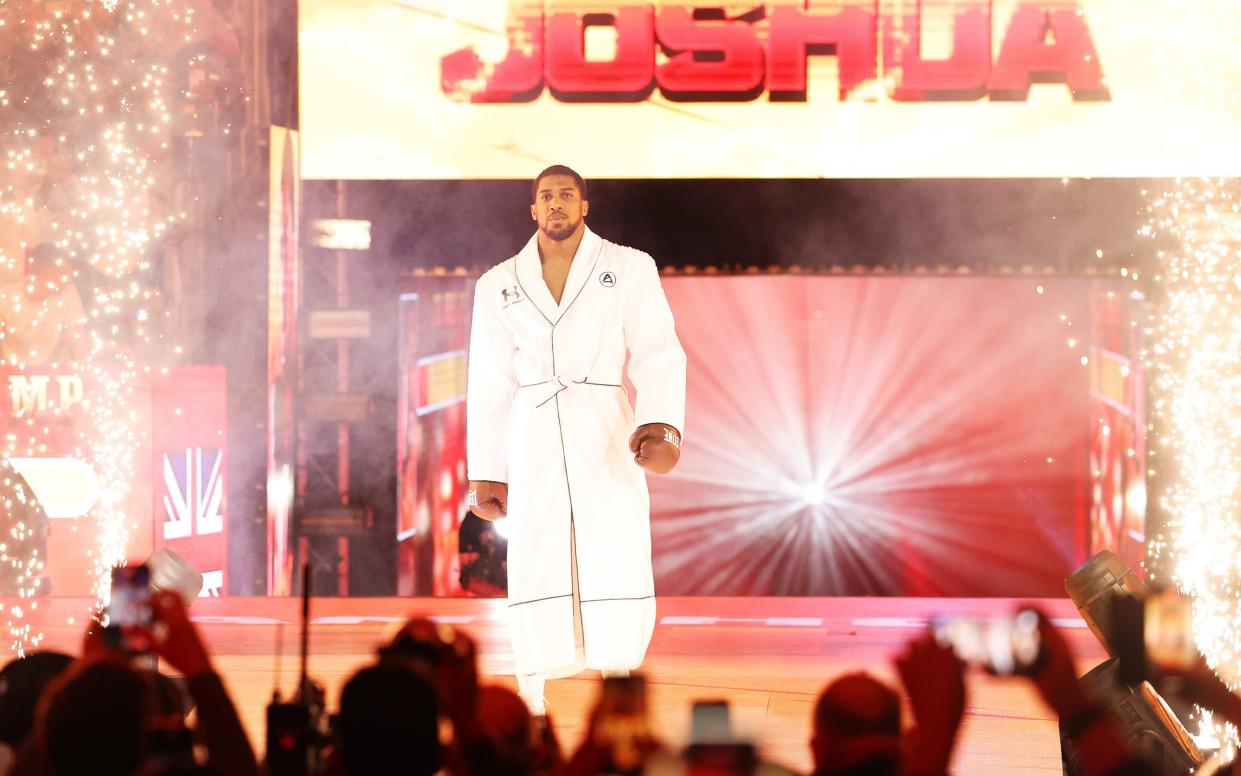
813, 494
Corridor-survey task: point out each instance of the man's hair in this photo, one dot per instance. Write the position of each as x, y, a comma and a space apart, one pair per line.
389, 714
21, 684
558, 169
858, 705
93, 719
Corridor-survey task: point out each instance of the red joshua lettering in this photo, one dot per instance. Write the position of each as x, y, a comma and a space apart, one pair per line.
1047, 46
963, 76
710, 56
628, 76
517, 78
846, 30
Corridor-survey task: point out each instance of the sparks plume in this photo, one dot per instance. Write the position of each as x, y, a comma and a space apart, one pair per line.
85, 123
1195, 362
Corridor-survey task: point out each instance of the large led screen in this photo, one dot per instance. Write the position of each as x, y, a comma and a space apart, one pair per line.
450, 89
868, 435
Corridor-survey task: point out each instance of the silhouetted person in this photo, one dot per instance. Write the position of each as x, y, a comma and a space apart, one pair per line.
93, 720
21, 684
389, 722
857, 728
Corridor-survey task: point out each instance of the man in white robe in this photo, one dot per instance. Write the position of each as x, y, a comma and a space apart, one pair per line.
553, 443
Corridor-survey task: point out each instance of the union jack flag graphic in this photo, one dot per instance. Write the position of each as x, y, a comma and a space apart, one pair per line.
193, 492
213, 584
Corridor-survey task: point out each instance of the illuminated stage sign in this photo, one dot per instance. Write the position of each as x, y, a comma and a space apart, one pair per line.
30, 393
710, 56
451, 89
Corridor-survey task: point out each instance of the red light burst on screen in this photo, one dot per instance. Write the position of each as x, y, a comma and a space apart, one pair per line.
871, 435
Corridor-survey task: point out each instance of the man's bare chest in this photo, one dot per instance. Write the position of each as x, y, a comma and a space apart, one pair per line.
556, 276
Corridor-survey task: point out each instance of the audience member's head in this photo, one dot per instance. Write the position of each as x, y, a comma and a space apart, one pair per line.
421, 643
505, 719
93, 718
857, 727
21, 684
389, 722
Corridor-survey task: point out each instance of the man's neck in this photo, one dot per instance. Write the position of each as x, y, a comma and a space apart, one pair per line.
560, 250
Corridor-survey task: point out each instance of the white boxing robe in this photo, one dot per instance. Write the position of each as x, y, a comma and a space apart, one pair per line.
547, 413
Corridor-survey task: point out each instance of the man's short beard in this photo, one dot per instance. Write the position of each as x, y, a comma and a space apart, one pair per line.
560, 234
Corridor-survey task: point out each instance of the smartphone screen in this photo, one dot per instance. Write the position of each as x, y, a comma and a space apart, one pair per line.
129, 612
1002, 645
710, 723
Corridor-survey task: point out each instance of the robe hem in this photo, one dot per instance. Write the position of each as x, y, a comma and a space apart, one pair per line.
598, 600
537, 600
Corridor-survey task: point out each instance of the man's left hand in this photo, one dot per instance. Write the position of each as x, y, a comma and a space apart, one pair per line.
656, 447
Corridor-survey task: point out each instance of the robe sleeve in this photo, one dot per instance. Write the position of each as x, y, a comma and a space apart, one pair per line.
490, 385
656, 360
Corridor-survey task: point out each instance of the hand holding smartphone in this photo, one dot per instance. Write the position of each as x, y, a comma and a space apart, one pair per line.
1153, 635
144, 623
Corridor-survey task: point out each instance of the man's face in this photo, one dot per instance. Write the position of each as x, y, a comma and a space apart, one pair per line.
558, 207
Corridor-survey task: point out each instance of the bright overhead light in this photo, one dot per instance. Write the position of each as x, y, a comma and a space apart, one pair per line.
342, 234
813, 494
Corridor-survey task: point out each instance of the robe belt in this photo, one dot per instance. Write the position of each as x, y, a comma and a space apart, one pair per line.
553, 386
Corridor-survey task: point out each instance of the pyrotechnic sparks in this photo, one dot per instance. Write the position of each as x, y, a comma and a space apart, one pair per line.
1195, 361
85, 123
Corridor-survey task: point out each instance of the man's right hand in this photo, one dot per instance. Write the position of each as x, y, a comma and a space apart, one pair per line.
487, 499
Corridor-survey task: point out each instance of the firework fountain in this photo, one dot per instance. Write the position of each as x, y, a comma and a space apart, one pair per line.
1195, 363
85, 123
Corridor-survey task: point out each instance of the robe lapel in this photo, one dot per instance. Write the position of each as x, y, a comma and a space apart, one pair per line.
530, 276
583, 266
